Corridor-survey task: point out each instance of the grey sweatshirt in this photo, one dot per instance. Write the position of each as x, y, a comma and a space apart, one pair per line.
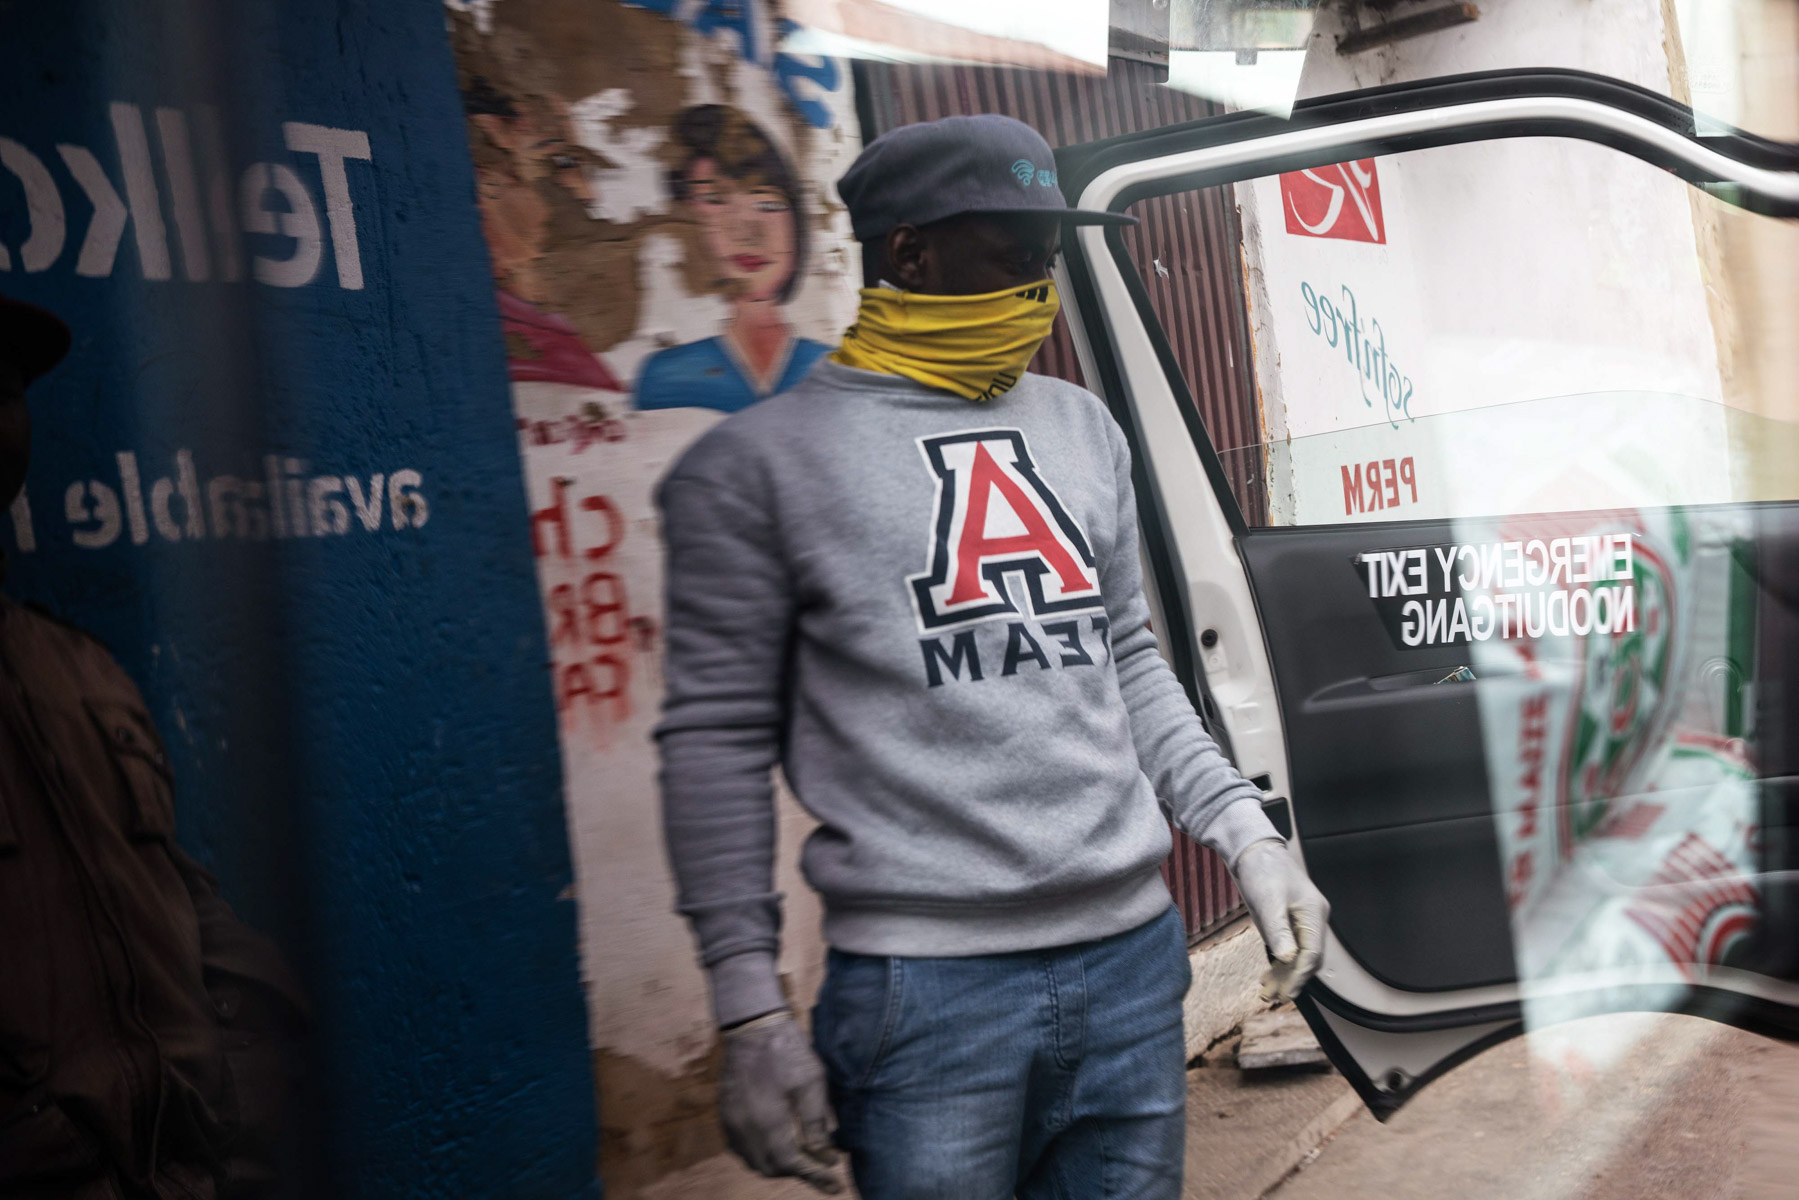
930, 612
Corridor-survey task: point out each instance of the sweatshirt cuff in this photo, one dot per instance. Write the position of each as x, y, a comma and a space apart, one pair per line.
744, 987
1237, 828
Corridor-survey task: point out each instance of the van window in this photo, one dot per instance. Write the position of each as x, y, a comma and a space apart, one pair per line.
1518, 326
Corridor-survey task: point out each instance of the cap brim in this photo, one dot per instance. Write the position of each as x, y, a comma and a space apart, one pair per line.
1068, 216
1094, 216
35, 338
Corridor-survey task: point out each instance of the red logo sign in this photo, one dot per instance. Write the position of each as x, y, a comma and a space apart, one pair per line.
1341, 201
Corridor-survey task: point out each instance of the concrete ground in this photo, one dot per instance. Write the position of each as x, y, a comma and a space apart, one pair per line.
1611, 1108
724, 1178
1246, 1131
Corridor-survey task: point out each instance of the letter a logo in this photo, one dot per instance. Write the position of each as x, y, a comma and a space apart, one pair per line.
996, 516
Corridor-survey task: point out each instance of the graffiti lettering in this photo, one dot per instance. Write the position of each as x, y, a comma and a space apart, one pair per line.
556, 520
594, 635
583, 429
600, 685
595, 613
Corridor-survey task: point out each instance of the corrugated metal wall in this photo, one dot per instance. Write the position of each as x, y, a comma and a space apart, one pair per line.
1186, 249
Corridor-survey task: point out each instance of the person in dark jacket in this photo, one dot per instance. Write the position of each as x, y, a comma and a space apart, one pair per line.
143, 1027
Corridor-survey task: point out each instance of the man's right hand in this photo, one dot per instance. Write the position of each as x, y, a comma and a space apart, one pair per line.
770, 1086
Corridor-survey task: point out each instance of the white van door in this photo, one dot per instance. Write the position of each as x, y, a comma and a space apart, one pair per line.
1502, 608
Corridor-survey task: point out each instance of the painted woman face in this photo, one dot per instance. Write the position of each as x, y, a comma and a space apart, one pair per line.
510, 185
748, 228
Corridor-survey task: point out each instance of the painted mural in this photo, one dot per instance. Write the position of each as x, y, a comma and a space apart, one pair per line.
742, 194
656, 186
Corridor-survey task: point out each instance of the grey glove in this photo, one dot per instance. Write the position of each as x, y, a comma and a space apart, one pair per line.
769, 1083
1290, 911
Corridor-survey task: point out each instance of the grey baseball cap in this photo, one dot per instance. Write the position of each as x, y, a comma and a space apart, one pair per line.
921, 173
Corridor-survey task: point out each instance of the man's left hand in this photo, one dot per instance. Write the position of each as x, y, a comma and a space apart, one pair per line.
1290, 912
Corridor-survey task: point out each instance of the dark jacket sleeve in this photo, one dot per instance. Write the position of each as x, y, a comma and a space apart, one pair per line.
232, 953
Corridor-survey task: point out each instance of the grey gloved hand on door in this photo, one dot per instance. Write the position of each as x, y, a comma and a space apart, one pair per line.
772, 1102
1288, 909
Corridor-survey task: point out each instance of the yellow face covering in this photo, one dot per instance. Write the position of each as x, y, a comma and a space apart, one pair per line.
974, 346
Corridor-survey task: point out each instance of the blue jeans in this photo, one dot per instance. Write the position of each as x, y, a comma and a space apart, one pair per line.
1055, 1073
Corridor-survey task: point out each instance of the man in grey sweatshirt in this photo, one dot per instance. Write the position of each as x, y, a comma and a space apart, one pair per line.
913, 582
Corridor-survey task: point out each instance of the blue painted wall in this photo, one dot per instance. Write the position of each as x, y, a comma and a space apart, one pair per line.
360, 721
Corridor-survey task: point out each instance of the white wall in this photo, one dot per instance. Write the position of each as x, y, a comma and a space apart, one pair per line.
1511, 272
